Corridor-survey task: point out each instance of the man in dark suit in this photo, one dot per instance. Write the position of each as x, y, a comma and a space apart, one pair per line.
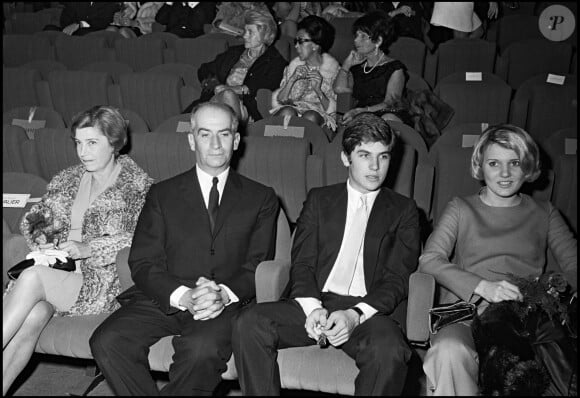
355, 246
193, 260
82, 17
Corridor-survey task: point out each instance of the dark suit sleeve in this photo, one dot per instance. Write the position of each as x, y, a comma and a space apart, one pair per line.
147, 259
69, 15
401, 260
305, 251
163, 14
261, 247
101, 15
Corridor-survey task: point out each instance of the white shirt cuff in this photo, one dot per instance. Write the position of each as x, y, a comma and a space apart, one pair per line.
367, 310
176, 295
232, 296
85, 24
308, 304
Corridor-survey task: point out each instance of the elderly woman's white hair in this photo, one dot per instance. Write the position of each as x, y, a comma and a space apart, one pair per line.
265, 23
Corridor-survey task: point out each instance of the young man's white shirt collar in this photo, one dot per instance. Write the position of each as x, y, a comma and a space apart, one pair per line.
309, 304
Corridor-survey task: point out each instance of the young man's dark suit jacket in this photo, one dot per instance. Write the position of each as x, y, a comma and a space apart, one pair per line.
172, 246
391, 252
391, 246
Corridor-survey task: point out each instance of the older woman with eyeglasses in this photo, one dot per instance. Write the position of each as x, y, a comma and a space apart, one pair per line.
306, 88
235, 76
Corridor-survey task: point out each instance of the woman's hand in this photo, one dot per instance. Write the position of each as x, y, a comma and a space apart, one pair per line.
316, 79
347, 117
492, 10
405, 10
353, 58
300, 72
495, 292
69, 30
76, 250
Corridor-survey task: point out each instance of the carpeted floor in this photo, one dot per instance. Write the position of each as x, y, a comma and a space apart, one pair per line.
49, 375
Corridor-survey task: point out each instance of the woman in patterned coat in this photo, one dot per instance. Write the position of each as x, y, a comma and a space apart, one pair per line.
91, 209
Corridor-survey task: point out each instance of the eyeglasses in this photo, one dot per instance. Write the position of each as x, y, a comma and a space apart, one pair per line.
301, 41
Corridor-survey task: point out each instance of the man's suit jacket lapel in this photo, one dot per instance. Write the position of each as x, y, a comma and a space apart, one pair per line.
334, 213
230, 197
193, 198
378, 225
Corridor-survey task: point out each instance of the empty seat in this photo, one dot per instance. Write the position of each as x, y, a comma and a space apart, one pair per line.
137, 125
186, 71
140, 54
545, 103
465, 55
513, 28
486, 100
41, 117
19, 87
298, 127
162, 155
78, 51
44, 66
27, 22
110, 37
21, 183
411, 52
198, 50
156, 97
281, 163
12, 139
76, 91
175, 124
53, 151
113, 68
18, 49
527, 58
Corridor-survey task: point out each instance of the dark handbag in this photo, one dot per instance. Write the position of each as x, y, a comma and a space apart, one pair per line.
15, 271
444, 315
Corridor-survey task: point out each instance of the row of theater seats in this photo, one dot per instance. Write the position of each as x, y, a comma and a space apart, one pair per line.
294, 165
542, 104
515, 64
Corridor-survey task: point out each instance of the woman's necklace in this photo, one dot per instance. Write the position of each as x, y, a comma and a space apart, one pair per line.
374, 66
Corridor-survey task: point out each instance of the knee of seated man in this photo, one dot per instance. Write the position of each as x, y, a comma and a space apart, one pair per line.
314, 117
386, 348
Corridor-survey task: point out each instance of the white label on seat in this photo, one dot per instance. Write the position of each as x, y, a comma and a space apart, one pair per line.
25, 124
473, 77
468, 140
556, 79
570, 145
484, 126
183, 127
15, 199
280, 131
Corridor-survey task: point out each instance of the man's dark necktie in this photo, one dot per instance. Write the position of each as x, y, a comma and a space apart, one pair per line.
213, 205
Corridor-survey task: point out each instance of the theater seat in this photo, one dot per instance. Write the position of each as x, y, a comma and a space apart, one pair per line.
19, 87
21, 183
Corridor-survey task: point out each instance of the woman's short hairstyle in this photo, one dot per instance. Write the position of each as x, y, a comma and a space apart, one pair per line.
320, 31
265, 23
377, 24
367, 127
509, 137
107, 120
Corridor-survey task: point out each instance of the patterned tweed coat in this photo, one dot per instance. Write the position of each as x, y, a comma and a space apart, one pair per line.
108, 226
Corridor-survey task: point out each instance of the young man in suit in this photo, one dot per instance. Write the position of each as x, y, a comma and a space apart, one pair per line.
356, 244
198, 241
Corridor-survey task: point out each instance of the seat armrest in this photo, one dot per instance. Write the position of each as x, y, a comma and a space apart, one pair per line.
421, 299
344, 102
14, 250
123, 269
271, 279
